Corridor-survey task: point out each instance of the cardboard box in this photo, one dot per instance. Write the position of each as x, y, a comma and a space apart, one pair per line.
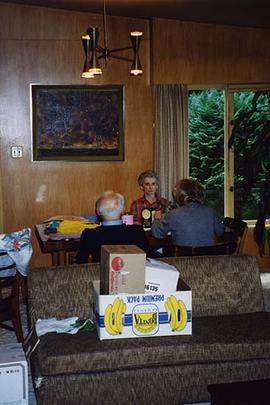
13, 375
160, 276
143, 315
122, 269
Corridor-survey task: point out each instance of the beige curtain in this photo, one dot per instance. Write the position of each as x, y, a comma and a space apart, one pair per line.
171, 155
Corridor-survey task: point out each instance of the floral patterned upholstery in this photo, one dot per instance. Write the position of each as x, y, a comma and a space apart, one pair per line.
18, 247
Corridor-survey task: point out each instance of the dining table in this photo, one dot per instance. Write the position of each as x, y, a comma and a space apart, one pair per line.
63, 247
60, 247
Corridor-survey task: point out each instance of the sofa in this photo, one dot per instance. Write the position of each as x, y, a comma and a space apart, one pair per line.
230, 339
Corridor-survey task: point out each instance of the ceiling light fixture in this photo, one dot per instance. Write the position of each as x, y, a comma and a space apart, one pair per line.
94, 52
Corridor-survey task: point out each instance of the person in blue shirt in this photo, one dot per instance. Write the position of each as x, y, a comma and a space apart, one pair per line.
113, 231
192, 223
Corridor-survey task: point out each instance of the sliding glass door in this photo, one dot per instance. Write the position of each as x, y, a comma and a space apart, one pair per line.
229, 147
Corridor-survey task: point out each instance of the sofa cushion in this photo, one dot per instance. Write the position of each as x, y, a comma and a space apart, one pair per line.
61, 291
221, 285
214, 339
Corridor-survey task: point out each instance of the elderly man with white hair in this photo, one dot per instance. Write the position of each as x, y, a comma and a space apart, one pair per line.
113, 231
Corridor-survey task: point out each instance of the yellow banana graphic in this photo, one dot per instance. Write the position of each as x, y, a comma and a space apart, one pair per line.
113, 317
178, 313
119, 317
115, 308
182, 315
107, 320
169, 308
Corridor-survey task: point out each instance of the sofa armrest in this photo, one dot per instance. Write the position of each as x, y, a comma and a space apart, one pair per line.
61, 291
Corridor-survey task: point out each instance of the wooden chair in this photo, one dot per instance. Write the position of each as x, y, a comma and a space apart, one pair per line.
235, 229
227, 248
10, 300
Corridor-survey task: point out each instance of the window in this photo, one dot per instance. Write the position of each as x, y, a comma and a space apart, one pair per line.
250, 129
229, 147
206, 144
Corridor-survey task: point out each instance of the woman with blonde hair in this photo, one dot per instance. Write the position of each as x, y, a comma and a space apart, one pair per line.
192, 223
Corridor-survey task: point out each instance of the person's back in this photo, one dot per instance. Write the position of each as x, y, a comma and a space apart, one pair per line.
192, 223
92, 239
112, 231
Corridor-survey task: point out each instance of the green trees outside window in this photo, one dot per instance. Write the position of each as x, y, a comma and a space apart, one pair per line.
249, 121
251, 141
206, 144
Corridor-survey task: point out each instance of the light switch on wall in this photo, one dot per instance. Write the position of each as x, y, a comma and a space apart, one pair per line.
16, 152
20, 151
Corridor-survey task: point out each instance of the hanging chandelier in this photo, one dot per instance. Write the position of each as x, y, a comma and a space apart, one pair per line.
94, 52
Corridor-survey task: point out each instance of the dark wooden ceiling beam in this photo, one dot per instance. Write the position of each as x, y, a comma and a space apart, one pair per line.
248, 13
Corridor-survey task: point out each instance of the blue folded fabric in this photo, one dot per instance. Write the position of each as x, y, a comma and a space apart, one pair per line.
19, 249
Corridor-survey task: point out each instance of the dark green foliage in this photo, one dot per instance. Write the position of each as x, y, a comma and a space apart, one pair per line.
250, 137
206, 144
206, 137
251, 141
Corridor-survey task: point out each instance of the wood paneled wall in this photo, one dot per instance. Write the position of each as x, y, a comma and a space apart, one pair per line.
194, 53
41, 45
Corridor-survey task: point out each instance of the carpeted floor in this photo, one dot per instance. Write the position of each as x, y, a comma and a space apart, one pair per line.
10, 337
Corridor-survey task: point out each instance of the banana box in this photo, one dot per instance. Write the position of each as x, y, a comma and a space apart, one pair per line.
143, 315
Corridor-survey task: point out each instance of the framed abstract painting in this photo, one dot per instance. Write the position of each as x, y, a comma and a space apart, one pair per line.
77, 122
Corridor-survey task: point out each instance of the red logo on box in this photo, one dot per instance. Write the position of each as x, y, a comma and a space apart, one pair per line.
117, 263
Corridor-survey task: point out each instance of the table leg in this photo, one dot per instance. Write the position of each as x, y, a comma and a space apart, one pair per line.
63, 258
55, 259
60, 258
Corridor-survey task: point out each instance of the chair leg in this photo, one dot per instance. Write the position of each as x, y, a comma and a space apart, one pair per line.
16, 320
23, 284
17, 324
